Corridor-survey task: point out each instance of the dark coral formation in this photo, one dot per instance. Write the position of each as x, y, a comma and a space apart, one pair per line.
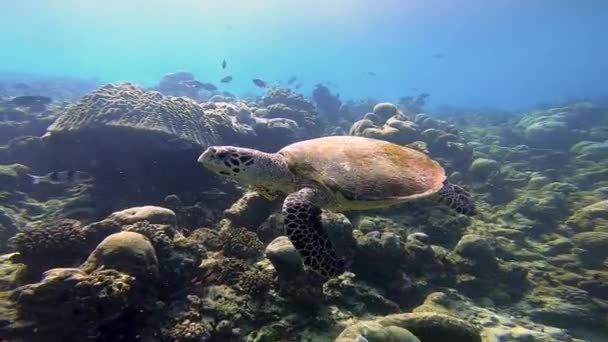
51, 244
178, 256
240, 243
327, 103
256, 282
89, 302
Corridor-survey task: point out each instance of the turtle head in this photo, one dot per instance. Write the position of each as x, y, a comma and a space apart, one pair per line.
247, 166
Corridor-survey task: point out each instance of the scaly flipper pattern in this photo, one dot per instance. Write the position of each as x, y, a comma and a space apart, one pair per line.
456, 198
302, 218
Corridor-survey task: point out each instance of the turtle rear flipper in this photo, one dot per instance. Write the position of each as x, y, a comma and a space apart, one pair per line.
303, 227
456, 198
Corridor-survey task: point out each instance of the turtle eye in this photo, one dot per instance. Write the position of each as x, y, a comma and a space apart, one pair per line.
221, 155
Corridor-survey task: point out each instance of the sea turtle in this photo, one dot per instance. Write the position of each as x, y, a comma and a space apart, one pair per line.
337, 173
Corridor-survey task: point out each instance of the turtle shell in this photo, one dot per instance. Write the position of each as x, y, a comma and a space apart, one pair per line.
364, 169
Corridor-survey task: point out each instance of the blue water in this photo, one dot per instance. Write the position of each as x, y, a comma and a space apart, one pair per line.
508, 54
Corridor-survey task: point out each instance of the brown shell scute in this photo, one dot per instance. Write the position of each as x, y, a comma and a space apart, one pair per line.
365, 169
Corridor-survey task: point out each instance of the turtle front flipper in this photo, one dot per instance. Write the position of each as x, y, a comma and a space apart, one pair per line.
302, 218
456, 198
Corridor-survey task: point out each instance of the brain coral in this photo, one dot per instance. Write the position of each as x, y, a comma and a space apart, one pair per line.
129, 107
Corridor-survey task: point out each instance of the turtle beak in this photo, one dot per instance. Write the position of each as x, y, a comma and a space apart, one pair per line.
207, 155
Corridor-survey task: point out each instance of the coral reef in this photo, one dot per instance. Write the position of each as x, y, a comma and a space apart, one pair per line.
155, 248
176, 121
560, 127
178, 256
327, 103
284, 103
88, 301
240, 243
387, 122
127, 252
51, 244
113, 283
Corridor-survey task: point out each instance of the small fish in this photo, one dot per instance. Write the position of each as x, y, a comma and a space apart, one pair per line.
193, 84
30, 100
292, 80
438, 55
213, 192
206, 86
258, 82
224, 64
371, 73
57, 177
226, 79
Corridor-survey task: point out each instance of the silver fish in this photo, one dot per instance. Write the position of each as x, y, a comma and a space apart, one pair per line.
58, 177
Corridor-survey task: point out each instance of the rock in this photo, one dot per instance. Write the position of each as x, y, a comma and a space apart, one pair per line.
284, 257
590, 150
563, 306
494, 325
152, 214
482, 168
366, 225
475, 247
9, 274
69, 304
385, 110
375, 332
249, 211
357, 297
559, 128
378, 255
8, 229
11, 176
593, 247
340, 232
591, 217
538, 182
271, 228
127, 252
429, 326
